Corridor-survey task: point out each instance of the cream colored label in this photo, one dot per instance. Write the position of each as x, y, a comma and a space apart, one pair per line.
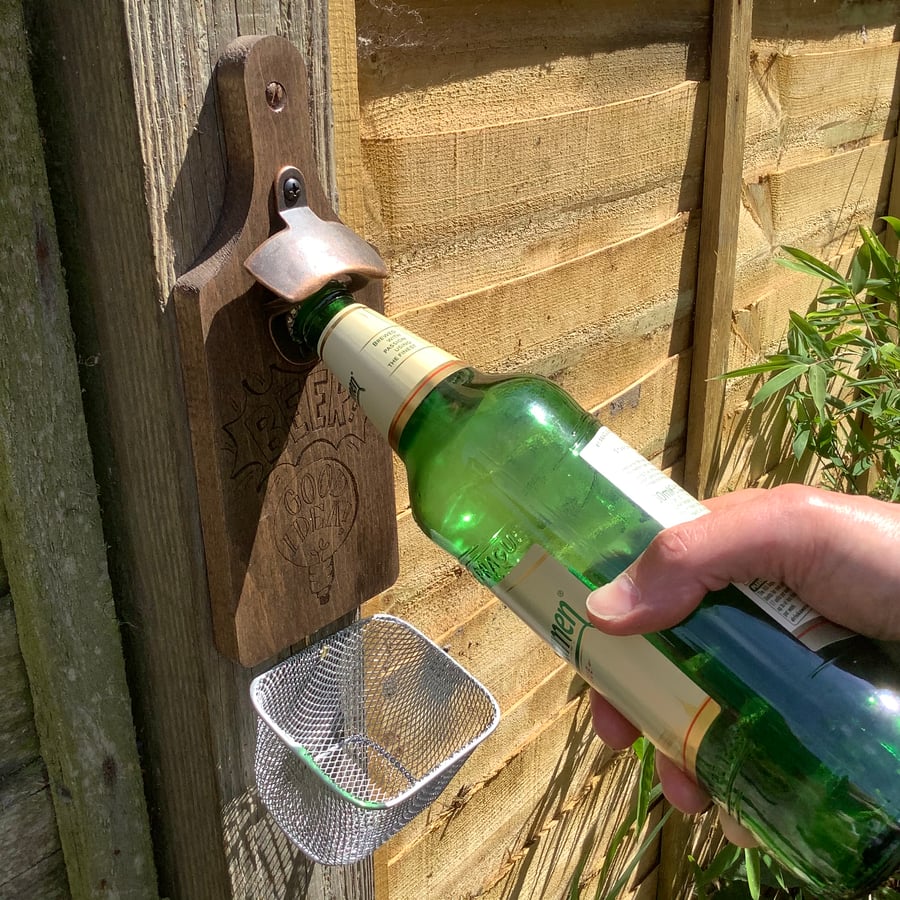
636, 678
659, 497
387, 369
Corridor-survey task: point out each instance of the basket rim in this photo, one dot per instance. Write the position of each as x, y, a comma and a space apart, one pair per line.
307, 758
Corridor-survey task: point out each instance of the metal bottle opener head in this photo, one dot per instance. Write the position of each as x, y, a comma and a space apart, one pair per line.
309, 252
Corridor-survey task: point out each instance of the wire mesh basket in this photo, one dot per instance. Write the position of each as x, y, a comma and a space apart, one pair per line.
358, 733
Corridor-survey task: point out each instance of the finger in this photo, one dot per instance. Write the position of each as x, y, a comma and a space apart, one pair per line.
610, 725
680, 789
735, 832
734, 499
751, 535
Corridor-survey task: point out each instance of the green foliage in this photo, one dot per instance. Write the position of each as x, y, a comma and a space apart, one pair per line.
738, 874
734, 873
648, 794
839, 375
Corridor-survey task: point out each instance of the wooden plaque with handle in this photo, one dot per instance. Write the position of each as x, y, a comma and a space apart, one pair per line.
295, 486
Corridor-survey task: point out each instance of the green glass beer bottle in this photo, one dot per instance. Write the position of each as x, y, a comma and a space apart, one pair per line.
791, 723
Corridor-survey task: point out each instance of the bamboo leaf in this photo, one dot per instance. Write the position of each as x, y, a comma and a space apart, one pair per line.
751, 862
773, 365
801, 442
622, 880
859, 269
802, 261
816, 379
894, 222
647, 757
808, 330
848, 337
883, 263
722, 862
777, 382
617, 841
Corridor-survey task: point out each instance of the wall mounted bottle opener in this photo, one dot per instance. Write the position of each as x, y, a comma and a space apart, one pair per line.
295, 488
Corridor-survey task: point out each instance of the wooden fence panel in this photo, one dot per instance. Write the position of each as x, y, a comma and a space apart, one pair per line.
821, 124
533, 178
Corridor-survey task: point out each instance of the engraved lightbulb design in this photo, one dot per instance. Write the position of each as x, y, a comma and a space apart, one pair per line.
317, 505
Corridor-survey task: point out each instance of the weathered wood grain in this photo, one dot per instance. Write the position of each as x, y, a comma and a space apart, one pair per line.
51, 530
465, 209
810, 25
469, 63
652, 414
350, 188
45, 879
804, 104
18, 737
565, 307
32, 860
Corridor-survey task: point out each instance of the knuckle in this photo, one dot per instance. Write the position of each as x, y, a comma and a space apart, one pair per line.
671, 546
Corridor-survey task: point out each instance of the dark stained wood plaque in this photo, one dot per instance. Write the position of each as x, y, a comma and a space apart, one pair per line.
295, 486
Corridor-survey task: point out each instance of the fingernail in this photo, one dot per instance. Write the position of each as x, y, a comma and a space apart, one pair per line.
614, 600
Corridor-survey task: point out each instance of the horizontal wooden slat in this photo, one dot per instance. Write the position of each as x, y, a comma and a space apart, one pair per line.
467, 209
816, 205
567, 307
651, 414
477, 176
836, 191
473, 63
829, 100
501, 651
797, 25
818, 102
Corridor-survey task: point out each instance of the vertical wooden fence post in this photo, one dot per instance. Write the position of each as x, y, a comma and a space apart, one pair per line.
729, 74
138, 172
50, 526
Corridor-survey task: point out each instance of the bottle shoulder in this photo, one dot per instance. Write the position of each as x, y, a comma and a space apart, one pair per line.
472, 408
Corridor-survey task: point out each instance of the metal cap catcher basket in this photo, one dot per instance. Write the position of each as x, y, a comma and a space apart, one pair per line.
358, 733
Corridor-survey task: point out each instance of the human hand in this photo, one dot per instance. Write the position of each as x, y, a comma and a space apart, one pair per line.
839, 553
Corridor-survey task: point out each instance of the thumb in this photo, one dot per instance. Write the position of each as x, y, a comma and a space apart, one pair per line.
678, 568
642, 598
